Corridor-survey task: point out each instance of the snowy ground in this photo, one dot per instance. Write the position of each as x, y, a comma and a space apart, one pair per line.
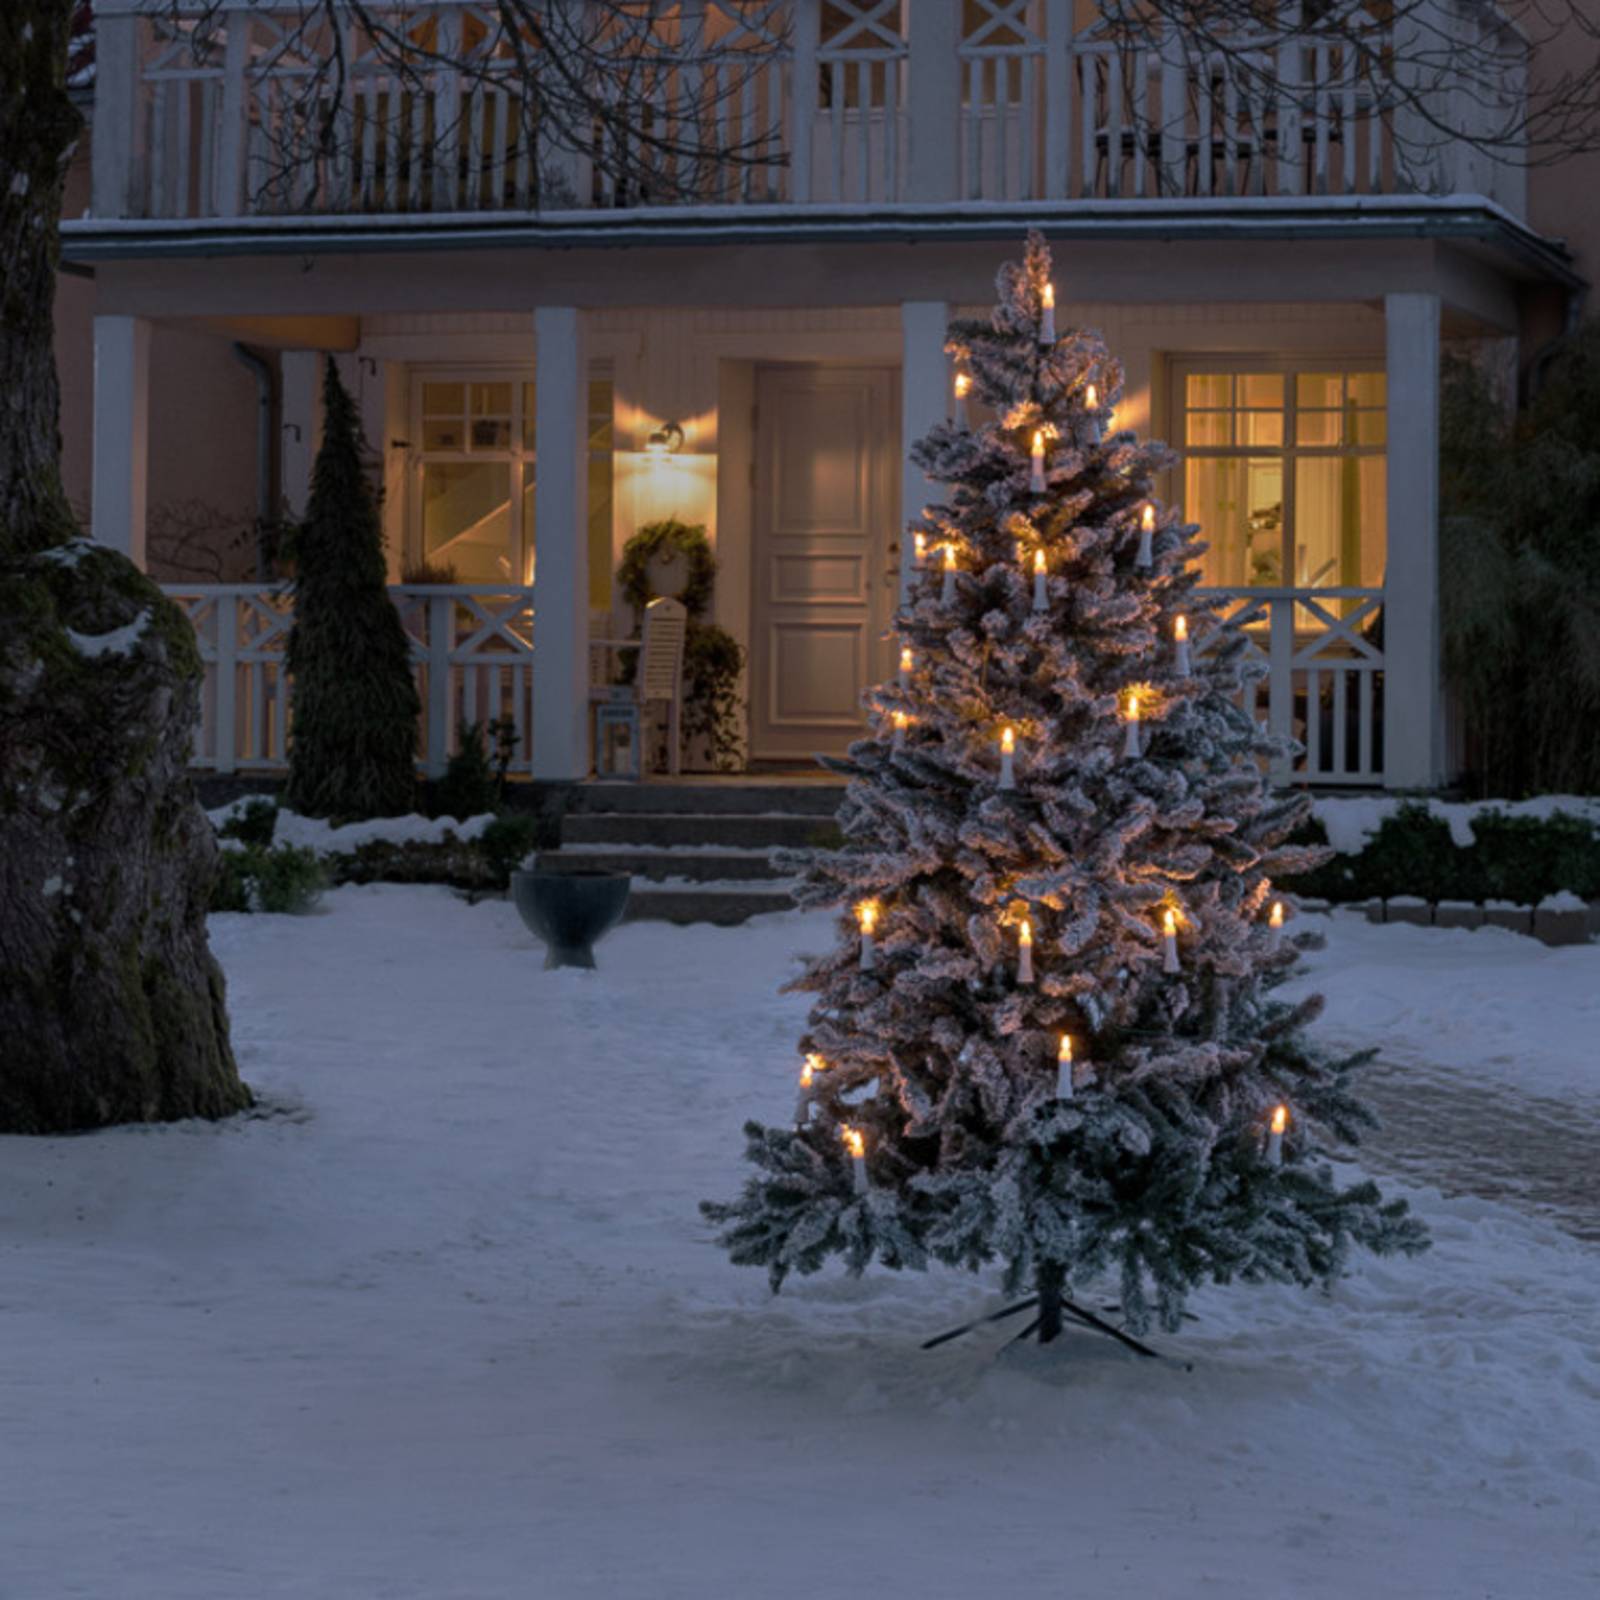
442, 1324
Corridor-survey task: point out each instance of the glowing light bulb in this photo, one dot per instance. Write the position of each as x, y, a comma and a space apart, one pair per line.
1036, 471
963, 385
949, 558
1147, 518
1169, 940
1008, 740
812, 1065
1169, 921
948, 592
901, 723
1280, 1118
867, 920
1180, 633
1091, 397
1047, 314
1025, 952
906, 660
1276, 919
1008, 759
1064, 1068
921, 548
1180, 629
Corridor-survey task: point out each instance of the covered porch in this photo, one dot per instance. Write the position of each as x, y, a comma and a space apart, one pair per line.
519, 451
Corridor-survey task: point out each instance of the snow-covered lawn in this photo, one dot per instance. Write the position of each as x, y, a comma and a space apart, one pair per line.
444, 1324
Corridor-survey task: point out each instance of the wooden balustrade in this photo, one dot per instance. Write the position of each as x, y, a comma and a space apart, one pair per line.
471, 649
860, 102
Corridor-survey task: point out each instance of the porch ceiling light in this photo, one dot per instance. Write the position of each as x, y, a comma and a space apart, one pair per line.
666, 440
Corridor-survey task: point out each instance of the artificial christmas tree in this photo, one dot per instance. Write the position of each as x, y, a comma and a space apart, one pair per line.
1047, 1035
353, 741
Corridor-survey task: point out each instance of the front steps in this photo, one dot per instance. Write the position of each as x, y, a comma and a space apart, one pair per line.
697, 852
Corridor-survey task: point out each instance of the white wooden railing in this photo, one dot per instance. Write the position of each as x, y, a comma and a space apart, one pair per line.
471, 649
853, 102
1324, 681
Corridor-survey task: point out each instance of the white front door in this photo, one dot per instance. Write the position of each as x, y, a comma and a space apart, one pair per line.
826, 513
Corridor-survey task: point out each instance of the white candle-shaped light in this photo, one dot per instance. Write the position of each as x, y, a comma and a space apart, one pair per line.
1280, 1121
1275, 926
920, 550
901, 721
1180, 632
1130, 743
1147, 529
1047, 314
948, 592
1008, 757
1169, 941
812, 1065
1091, 404
1041, 592
963, 389
906, 662
1025, 952
856, 1145
867, 921
1064, 1068
1036, 476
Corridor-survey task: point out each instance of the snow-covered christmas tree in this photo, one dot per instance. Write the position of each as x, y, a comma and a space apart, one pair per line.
1047, 1035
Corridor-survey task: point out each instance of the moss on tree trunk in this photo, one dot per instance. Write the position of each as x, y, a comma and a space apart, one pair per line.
111, 1006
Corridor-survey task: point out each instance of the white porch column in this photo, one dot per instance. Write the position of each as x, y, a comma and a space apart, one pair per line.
561, 532
120, 473
301, 389
1413, 741
924, 386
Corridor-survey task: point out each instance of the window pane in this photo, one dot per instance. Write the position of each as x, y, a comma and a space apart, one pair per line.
1368, 388
442, 435
1318, 427
1340, 522
443, 399
1371, 427
529, 417
1260, 427
1210, 427
466, 519
530, 555
491, 399
1324, 389
491, 433
1239, 505
1209, 389
1261, 389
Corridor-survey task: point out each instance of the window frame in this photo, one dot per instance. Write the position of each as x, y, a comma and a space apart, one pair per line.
519, 459
1182, 366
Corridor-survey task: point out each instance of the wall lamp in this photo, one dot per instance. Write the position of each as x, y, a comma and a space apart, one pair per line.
667, 440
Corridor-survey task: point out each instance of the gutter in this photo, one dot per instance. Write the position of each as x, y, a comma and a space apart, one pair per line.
262, 372
1330, 217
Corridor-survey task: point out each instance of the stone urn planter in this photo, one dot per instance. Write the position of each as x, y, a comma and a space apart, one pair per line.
570, 910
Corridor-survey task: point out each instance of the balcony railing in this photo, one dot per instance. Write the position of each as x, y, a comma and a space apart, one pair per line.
853, 102
471, 650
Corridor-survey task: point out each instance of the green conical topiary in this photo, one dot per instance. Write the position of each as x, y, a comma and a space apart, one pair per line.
352, 744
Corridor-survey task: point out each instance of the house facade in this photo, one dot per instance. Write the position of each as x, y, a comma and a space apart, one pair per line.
1278, 272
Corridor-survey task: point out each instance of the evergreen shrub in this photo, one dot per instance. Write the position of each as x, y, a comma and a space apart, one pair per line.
286, 879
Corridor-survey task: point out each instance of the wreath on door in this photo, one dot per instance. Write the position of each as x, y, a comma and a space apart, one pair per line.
674, 560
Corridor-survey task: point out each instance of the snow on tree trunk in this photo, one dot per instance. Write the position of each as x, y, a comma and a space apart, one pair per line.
1010, 796
111, 1006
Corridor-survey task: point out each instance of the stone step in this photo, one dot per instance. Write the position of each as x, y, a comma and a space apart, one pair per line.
634, 829
731, 798
726, 904
708, 866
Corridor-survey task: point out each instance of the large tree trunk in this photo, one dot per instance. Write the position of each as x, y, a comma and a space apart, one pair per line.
111, 1007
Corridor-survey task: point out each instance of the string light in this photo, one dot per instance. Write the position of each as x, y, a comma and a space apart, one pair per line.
1169, 940
856, 1145
867, 921
1041, 593
1008, 748
1047, 314
1147, 529
1130, 742
1180, 632
1064, 1068
948, 593
1275, 1132
1025, 952
1036, 472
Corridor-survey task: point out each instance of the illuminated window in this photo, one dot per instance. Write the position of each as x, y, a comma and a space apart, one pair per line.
473, 488
1285, 472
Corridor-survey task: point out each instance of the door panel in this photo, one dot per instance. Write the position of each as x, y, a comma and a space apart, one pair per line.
827, 479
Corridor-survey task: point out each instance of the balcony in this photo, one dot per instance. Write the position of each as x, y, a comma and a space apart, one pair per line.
850, 104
